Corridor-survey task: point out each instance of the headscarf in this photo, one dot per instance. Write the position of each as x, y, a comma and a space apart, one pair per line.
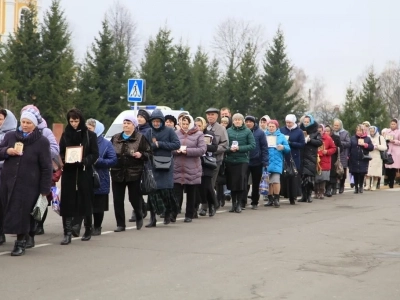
312, 121
202, 121
291, 118
29, 116
323, 128
376, 130
97, 125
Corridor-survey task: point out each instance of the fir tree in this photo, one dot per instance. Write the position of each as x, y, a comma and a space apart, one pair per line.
371, 106
228, 89
277, 81
157, 68
103, 79
55, 82
247, 83
179, 89
350, 114
24, 51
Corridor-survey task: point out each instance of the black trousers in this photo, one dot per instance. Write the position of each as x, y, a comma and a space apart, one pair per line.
359, 179
191, 190
256, 174
135, 199
206, 192
391, 174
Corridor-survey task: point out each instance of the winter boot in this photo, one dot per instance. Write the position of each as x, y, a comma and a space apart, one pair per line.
341, 186
67, 231
2, 237
233, 206
96, 231
19, 248
88, 234
328, 189
133, 217
276, 201
270, 201
30, 241
153, 220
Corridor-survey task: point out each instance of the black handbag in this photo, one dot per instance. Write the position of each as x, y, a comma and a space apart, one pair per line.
96, 179
385, 156
366, 156
147, 184
162, 162
289, 168
209, 162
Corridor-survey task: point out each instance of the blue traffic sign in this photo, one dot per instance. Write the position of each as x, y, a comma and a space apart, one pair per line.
136, 90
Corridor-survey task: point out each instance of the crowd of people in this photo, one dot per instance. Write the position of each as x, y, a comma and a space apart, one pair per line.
211, 162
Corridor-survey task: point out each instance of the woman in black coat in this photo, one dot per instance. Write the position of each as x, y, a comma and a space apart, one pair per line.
332, 185
309, 156
206, 193
77, 193
360, 146
24, 177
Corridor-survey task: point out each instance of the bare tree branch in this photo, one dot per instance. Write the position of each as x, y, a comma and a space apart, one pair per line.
124, 28
231, 38
390, 87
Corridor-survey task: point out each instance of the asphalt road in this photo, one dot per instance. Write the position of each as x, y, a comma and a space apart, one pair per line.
346, 247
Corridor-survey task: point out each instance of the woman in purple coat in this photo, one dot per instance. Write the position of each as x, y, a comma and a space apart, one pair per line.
187, 164
20, 189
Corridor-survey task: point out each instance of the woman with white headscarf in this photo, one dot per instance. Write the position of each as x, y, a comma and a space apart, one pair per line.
22, 150
375, 165
291, 187
107, 159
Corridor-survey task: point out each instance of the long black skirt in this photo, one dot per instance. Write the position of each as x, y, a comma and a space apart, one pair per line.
100, 203
291, 186
236, 176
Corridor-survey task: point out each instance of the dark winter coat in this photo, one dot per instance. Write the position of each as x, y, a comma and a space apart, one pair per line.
77, 192
211, 149
330, 147
296, 143
356, 163
146, 131
107, 159
334, 157
167, 142
129, 168
187, 167
259, 156
310, 150
10, 124
246, 142
23, 179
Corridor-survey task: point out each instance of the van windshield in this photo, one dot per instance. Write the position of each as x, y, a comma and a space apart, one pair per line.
114, 129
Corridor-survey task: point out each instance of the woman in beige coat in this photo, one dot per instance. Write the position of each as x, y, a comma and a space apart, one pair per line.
376, 164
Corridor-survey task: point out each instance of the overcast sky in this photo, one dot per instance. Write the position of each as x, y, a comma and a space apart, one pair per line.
334, 40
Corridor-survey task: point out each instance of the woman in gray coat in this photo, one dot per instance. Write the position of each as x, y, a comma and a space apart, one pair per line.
19, 189
344, 150
163, 142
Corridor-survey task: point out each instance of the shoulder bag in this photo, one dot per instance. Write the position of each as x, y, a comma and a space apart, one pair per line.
39, 208
209, 162
338, 166
147, 184
289, 168
96, 177
385, 156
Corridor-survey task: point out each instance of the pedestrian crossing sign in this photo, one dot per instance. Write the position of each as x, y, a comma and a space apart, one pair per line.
136, 90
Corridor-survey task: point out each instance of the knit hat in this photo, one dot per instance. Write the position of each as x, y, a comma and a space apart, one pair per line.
291, 118
171, 118
131, 118
34, 110
144, 114
238, 116
29, 116
274, 122
250, 118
